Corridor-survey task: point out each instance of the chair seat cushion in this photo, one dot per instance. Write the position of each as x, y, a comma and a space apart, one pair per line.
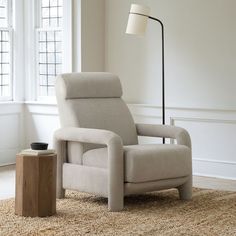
149, 162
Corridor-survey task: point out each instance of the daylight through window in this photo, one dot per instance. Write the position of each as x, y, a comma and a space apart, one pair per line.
49, 37
5, 50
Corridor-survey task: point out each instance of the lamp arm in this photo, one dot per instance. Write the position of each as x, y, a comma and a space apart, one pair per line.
153, 18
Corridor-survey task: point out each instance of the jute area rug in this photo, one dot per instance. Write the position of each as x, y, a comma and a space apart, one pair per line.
160, 213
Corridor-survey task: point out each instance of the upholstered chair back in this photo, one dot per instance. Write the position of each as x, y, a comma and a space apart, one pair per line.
93, 100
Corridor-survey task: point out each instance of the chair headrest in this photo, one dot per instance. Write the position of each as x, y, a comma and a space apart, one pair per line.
88, 85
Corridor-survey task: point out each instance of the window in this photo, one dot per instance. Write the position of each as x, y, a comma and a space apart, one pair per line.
5, 50
35, 46
49, 43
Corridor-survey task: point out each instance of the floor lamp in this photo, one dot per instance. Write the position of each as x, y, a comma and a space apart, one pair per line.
137, 24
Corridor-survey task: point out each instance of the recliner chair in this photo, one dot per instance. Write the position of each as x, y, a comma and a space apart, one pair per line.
97, 146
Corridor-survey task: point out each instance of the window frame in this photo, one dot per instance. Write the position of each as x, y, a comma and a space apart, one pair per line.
66, 30
10, 29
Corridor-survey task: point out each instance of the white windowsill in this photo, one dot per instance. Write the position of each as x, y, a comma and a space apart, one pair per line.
11, 102
50, 103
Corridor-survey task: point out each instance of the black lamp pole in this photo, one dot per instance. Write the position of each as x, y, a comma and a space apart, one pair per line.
163, 70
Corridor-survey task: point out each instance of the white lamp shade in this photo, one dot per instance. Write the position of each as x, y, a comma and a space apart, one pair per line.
137, 23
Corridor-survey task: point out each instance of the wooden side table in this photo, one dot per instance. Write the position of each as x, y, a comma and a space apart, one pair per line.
35, 185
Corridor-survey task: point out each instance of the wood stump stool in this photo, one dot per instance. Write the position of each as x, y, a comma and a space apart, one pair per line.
35, 185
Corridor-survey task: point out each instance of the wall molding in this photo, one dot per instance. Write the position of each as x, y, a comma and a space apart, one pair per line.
215, 161
153, 116
183, 108
198, 119
212, 164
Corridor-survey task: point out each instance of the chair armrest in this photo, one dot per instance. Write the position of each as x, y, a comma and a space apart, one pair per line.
115, 158
165, 131
84, 135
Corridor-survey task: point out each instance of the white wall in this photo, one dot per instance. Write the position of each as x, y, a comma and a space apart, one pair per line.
41, 120
12, 138
93, 36
200, 53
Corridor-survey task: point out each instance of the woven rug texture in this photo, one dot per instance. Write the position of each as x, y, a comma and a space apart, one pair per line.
210, 213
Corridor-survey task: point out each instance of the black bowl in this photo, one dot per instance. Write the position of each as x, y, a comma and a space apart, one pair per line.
39, 146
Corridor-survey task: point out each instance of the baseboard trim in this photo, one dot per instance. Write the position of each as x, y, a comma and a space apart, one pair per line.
213, 176
8, 164
215, 161
214, 168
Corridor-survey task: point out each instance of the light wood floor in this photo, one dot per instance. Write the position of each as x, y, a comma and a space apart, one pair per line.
7, 182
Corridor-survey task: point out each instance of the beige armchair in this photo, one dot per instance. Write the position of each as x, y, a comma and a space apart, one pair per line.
97, 146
